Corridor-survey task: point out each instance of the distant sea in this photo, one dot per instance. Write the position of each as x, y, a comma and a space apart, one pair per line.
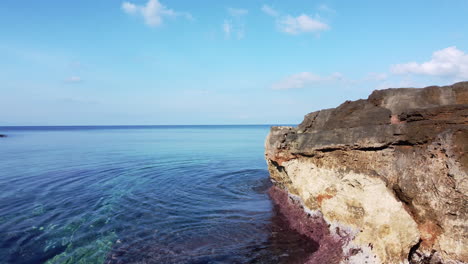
140, 194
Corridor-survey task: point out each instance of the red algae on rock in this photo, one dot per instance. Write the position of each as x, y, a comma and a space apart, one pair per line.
312, 226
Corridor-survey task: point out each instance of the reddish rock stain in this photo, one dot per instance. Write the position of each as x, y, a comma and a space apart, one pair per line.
314, 227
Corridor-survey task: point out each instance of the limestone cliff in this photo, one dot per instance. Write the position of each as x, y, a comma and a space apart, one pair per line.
386, 176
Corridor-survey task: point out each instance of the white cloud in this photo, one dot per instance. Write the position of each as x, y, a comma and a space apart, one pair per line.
235, 25
270, 11
129, 8
153, 12
237, 12
301, 24
375, 76
325, 8
303, 79
448, 62
73, 79
227, 28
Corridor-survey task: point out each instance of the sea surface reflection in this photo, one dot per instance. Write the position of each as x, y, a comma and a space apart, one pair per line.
176, 194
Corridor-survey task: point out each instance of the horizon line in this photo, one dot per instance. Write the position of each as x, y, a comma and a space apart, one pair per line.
266, 124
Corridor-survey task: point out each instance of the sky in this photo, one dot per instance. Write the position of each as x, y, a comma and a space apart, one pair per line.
179, 62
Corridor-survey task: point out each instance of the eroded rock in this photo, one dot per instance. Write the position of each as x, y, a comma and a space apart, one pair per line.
390, 172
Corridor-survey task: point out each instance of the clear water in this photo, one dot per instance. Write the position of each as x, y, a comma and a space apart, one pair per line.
162, 194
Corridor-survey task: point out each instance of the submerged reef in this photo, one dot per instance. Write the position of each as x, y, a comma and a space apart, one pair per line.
381, 180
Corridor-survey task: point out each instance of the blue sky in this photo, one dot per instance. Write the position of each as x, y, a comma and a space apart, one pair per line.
155, 62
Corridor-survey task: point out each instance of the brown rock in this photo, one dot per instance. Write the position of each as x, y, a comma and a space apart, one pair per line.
391, 170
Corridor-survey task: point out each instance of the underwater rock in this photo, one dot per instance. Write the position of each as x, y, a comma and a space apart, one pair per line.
386, 175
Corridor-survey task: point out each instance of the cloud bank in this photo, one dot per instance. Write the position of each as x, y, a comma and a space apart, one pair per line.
153, 12
270, 11
235, 24
304, 79
301, 24
295, 25
237, 12
449, 62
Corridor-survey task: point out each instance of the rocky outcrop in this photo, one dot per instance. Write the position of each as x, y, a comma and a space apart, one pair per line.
386, 177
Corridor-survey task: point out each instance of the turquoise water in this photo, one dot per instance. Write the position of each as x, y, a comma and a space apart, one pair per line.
160, 194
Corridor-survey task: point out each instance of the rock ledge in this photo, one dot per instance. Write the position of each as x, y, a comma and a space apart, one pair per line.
388, 175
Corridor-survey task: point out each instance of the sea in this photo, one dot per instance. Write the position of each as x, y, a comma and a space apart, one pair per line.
140, 194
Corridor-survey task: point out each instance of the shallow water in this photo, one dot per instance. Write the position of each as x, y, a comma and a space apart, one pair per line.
162, 194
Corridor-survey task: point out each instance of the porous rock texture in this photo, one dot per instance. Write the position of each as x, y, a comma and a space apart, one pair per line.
387, 176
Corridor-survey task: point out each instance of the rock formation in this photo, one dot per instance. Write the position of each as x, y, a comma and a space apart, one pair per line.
383, 180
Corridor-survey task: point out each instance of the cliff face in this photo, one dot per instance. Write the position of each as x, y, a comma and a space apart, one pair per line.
386, 176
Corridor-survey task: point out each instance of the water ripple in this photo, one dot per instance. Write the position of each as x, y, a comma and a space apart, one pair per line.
139, 196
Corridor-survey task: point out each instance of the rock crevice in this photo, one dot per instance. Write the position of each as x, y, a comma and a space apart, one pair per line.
390, 172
